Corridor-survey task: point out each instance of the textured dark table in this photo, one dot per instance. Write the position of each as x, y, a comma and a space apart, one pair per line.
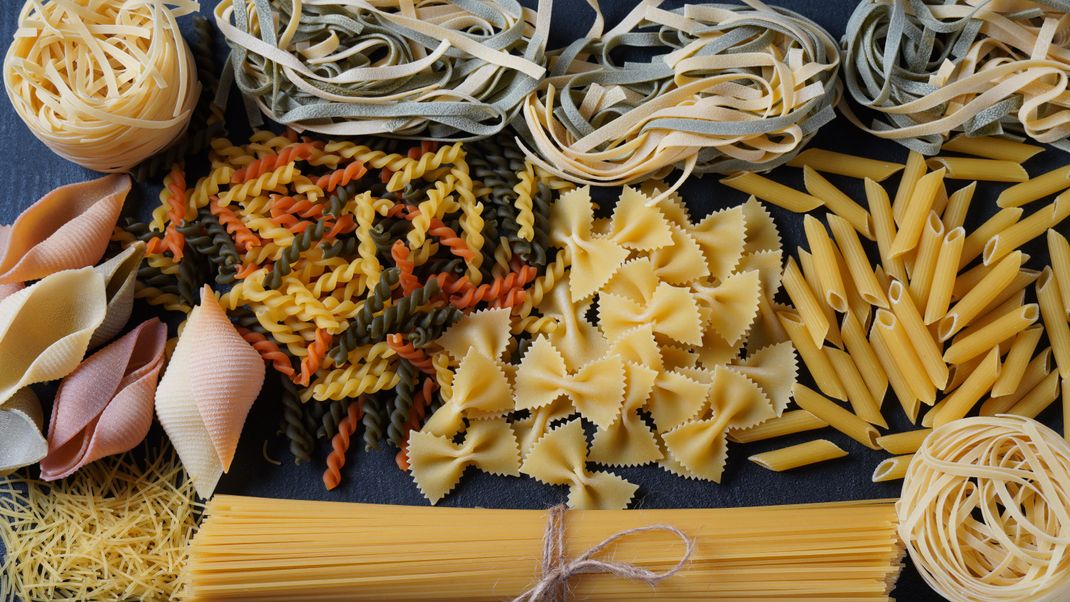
32, 170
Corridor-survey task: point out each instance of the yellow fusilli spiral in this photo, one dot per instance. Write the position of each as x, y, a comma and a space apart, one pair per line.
443, 375
369, 157
349, 274
272, 181
257, 205
534, 325
225, 154
367, 250
304, 186
269, 230
438, 203
427, 162
555, 272
353, 381
525, 214
164, 263
154, 296
471, 220
209, 186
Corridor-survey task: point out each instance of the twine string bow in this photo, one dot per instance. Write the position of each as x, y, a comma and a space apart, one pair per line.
556, 570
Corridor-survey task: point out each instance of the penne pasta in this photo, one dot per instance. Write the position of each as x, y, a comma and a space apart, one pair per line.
958, 206
790, 423
1027, 229
794, 456
892, 469
809, 270
979, 296
904, 355
1036, 188
903, 443
843, 164
988, 316
957, 374
869, 365
992, 334
979, 237
884, 229
825, 264
959, 403
836, 416
1059, 253
858, 264
943, 281
989, 170
855, 303
816, 363
940, 202
1037, 370
1014, 365
896, 378
862, 402
921, 277
992, 147
837, 202
921, 339
802, 297
1038, 400
772, 192
917, 212
914, 169
1051, 308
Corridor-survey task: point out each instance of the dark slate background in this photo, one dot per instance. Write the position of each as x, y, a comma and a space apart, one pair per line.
32, 170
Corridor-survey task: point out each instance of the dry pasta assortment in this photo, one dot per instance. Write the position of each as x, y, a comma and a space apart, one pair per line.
461, 295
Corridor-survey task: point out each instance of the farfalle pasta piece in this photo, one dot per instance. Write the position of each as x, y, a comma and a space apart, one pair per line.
67, 228
104, 407
21, 441
762, 233
714, 350
636, 225
775, 369
120, 274
701, 446
629, 441
675, 398
636, 279
437, 463
480, 386
722, 236
531, 429
486, 331
596, 389
45, 328
206, 392
578, 341
671, 310
560, 458
732, 305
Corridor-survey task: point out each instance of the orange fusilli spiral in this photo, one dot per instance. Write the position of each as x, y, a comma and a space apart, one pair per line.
247, 270
407, 351
316, 352
285, 210
244, 238
342, 176
340, 445
268, 350
500, 290
402, 259
294, 152
172, 239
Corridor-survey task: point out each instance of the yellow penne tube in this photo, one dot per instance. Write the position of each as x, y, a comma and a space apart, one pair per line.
790, 423
855, 303
869, 365
920, 338
772, 192
837, 202
958, 206
1051, 307
1014, 365
904, 355
843, 164
973, 302
966, 281
862, 402
940, 202
988, 316
805, 302
1026, 230
921, 278
979, 237
1059, 252
896, 378
903, 443
959, 403
912, 172
990, 170
943, 281
913, 221
794, 456
992, 334
1036, 188
1037, 370
1038, 400
892, 469
858, 265
992, 147
884, 229
836, 416
816, 363
809, 270
828, 270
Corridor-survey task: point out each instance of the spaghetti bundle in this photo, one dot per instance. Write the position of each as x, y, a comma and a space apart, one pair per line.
984, 511
407, 69
260, 549
728, 88
105, 85
933, 67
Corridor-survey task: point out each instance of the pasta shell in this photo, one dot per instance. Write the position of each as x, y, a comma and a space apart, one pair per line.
67, 228
104, 407
21, 441
120, 274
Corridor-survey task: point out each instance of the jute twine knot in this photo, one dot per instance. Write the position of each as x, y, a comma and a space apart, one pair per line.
556, 570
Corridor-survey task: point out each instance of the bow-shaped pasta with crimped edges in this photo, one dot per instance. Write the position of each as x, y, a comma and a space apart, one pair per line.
531, 429
596, 258
730, 307
629, 441
775, 369
437, 463
486, 331
722, 236
45, 328
67, 228
701, 446
205, 395
596, 389
21, 441
671, 310
680, 262
104, 407
560, 458
120, 275
480, 387
579, 341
